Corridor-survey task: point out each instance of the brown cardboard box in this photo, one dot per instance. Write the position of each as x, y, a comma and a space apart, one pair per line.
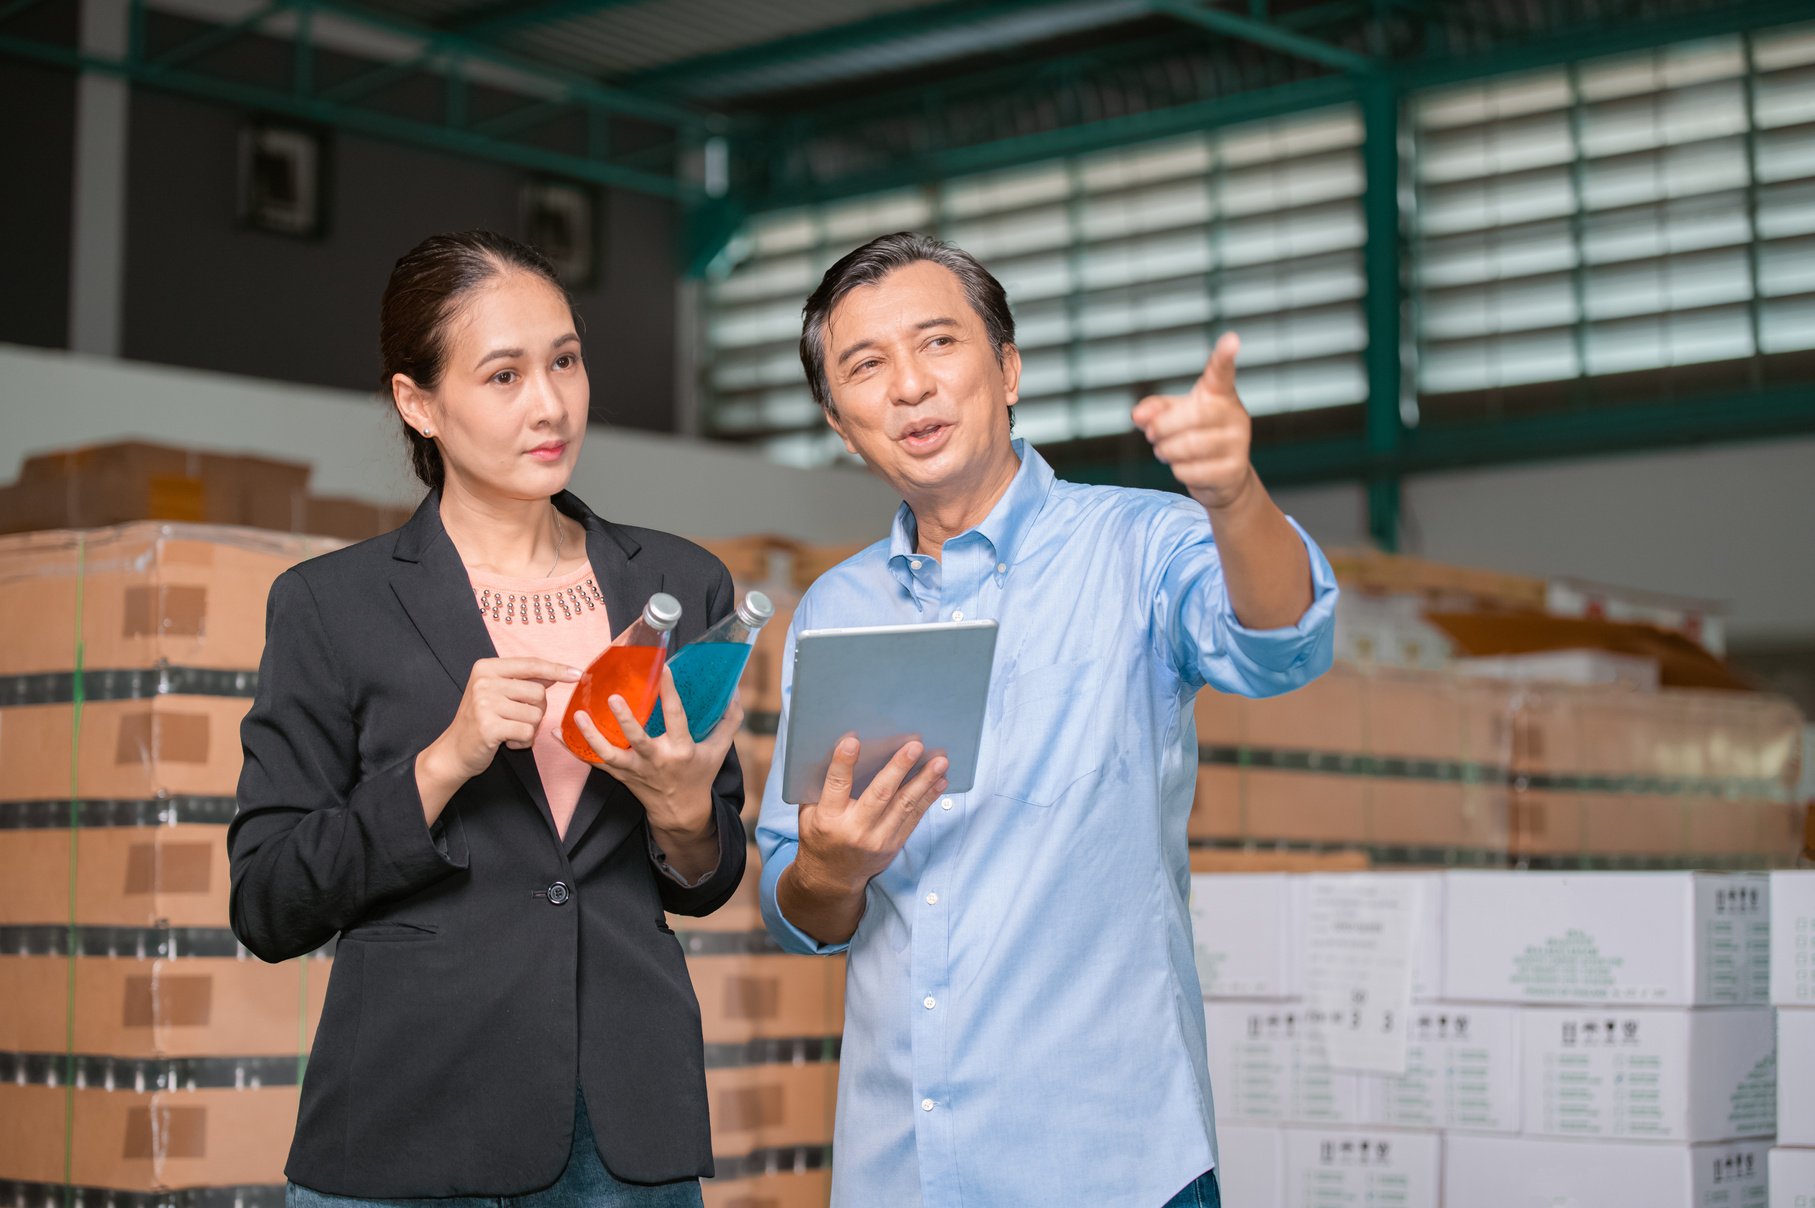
779, 996
126, 876
1413, 715
1635, 824
1305, 807
132, 749
1219, 718
1437, 814
760, 689
742, 913
348, 519
812, 561
1207, 859
136, 480
1217, 807
770, 1106
152, 1141
151, 594
756, 753
790, 1189
762, 559
1542, 823
1328, 714
191, 1006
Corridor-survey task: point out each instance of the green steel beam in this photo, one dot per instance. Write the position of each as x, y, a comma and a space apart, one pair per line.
1381, 259
1073, 140
219, 36
347, 117
513, 16
822, 43
14, 7
580, 88
1264, 33
1586, 43
1599, 432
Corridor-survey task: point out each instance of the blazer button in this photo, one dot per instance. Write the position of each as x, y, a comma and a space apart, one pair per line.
557, 893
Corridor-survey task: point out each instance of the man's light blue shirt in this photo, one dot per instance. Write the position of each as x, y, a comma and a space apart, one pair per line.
1022, 1016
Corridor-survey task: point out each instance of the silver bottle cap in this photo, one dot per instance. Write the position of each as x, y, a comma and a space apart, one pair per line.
662, 612
756, 610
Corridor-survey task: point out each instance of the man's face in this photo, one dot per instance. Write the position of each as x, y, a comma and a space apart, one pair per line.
917, 389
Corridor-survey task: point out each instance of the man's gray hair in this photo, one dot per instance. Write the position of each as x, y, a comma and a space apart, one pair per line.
875, 260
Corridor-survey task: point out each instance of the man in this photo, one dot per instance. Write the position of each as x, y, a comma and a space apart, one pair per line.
1022, 1017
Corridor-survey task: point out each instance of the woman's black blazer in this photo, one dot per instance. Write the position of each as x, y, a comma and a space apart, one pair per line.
484, 966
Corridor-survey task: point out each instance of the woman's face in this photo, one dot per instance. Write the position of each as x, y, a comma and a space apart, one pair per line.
510, 411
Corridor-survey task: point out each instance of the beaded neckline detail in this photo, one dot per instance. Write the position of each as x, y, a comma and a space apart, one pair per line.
519, 604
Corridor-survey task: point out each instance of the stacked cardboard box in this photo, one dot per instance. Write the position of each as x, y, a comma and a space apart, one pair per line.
1594, 1038
1432, 767
1793, 995
772, 1020
144, 1050
1650, 1063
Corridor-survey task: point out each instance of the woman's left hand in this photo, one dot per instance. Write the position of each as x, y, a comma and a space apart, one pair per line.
671, 775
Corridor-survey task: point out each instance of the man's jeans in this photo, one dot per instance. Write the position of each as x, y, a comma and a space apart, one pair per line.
1202, 1193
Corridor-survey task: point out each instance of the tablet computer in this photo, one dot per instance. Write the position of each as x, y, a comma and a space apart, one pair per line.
887, 684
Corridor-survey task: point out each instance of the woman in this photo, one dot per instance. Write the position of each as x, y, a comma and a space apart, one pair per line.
509, 1013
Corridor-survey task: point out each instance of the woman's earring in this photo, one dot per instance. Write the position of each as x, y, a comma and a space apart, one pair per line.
426, 432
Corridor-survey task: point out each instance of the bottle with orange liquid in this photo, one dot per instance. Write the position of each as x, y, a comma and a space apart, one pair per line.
631, 667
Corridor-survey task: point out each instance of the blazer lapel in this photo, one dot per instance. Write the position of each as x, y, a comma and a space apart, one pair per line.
626, 582
431, 583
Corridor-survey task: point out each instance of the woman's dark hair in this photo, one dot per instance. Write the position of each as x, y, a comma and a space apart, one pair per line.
425, 292
876, 260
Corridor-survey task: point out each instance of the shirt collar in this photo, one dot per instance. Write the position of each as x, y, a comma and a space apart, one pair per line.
1007, 522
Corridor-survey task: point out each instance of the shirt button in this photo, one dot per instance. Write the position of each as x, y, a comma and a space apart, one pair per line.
932, 899
946, 804
928, 1002
926, 1105
957, 614
1001, 568
914, 565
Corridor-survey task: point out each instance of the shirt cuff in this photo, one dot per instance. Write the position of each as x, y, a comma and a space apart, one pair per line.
784, 933
660, 859
1285, 649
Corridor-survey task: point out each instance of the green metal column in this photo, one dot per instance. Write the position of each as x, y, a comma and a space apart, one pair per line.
1380, 96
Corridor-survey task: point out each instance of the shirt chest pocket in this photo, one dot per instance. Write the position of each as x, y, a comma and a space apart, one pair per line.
1051, 739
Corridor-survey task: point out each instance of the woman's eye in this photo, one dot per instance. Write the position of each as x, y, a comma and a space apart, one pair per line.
566, 360
505, 377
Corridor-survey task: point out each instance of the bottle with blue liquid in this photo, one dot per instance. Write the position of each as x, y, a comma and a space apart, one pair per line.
706, 670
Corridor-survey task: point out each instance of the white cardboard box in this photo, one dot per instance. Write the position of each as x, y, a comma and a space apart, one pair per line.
1266, 1068
1241, 931
1793, 938
1632, 938
1360, 1166
1462, 1072
1654, 1075
1427, 937
1796, 1076
1793, 1178
1528, 1172
1250, 1164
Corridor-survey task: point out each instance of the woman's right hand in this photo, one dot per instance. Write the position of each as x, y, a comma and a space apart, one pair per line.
503, 705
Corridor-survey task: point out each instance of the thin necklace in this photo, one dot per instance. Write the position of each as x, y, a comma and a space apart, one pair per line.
555, 514
564, 604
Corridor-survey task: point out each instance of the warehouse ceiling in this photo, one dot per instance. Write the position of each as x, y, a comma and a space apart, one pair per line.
738, 106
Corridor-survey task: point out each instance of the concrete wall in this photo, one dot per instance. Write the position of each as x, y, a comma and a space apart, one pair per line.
1727, 522
53, 400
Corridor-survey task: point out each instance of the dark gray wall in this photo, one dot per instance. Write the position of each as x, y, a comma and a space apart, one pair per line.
37, 142
204, 291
